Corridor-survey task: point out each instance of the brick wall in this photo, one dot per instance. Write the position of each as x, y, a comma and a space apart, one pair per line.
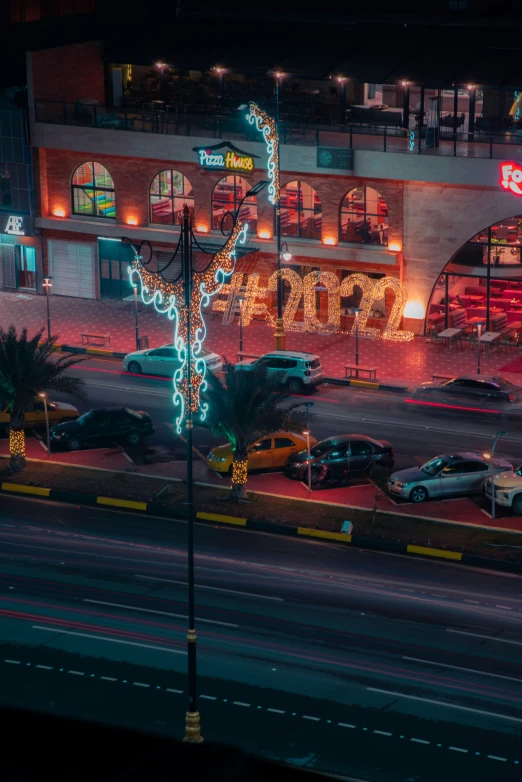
69, 73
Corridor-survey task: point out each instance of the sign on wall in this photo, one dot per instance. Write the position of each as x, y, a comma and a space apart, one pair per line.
12, 224
226, 157
511, 177
331, 157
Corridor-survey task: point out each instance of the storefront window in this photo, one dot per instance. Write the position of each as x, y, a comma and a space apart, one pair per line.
169, 192
301, 213
93, 191
364, 217
227, 195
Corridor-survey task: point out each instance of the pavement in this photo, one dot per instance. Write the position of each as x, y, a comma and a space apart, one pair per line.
343, 661
409, 362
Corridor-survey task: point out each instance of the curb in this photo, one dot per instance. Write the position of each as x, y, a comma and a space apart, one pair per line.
91, 351
154, 509
399, 387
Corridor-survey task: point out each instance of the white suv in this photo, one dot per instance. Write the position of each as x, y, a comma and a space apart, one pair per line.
290, 368
508, 490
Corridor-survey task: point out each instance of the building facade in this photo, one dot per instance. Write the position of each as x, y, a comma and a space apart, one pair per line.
444, 227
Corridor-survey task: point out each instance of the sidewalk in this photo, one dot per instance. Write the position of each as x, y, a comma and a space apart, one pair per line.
412, 361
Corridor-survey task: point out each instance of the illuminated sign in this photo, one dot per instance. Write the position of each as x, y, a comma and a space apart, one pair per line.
511, 177
15, 226
225, 157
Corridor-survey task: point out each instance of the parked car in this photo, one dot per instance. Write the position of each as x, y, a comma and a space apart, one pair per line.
34, 416
164, 361
339, 457
450, 474
267, 453
103, 426
290, 368
476, 393
508, 489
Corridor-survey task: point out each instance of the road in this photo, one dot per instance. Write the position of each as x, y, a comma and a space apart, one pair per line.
360, 664
416, 435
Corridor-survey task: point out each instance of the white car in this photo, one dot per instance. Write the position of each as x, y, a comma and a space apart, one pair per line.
164, 361
291, 368
508, 490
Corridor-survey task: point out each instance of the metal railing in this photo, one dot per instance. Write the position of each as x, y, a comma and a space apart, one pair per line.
479, 144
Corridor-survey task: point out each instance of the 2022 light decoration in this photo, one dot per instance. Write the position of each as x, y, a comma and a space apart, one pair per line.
267, 126
168, 299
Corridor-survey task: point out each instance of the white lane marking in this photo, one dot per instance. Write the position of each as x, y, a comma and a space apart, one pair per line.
458, 749
276, 711
487, 637
161, 613
420, 741
346, 725
315, 719
475, 602
208, 697
216, 589
178, 692
108, 678
446, 705
77, 673
46, 667
111, 640
496, 757
505, 608
466, 670
13, 662
240, 703
383, 733
140, 684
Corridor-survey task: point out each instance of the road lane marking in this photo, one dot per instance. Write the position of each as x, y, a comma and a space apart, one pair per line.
178, 692
346, 725
276, 711
108, 678
45, 667
162, 613
140, 684
420, 741
446, 705
458, 749
487, 637
111, 640
315, 719
13, 662
505, 608
381, 732
208, 697
466, 670
77, 673
496, 757
240, 703
216, 589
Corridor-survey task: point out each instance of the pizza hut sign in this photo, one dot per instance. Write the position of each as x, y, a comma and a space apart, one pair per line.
511, 177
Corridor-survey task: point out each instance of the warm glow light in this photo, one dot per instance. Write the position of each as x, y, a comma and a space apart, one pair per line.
264, 234
218, 69
471, 86
202, 228
394, 247
414, 309
59, 212
329, 240
132, 221
404, 83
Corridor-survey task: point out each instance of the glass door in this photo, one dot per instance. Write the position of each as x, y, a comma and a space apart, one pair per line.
115, 257
26, 266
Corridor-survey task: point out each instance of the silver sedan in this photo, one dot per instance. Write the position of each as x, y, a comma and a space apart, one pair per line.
450, 474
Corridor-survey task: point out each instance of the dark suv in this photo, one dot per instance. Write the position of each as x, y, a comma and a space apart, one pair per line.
337, 458
101, 427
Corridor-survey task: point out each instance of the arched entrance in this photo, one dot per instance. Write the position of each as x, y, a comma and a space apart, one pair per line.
482, 281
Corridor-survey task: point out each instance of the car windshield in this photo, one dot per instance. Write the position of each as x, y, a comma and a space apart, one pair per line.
518, 471
321, 448
132, 412
434, 466
84, 419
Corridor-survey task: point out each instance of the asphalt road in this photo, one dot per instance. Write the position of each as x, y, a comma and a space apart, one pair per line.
360, 664
416, 435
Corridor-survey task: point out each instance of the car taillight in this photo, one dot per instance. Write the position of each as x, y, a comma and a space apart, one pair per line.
307, 372
512, 398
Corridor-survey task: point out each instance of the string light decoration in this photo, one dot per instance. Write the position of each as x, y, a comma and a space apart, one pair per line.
411, 140
366, 285
16, 442
267, 126
296, 292
168, 299
240, 472
331, 283
391, 331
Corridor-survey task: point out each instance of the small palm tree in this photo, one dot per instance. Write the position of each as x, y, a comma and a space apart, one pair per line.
26, 369
243, 407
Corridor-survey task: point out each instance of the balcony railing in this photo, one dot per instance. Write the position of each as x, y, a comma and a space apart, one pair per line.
479, 144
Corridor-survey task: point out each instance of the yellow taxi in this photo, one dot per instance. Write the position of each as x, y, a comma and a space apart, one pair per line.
58, 412
265, 454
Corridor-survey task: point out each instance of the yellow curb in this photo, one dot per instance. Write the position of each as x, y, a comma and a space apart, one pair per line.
121, 503
99, 352
364, 384
22, 489
434, 552
317, 533
224, 519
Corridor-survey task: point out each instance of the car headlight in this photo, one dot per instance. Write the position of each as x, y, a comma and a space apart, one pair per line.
400, 485
214, 458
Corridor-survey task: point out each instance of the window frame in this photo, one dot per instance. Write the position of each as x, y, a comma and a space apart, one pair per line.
247, 202
300, 209
345, 210
95, 188
187, 199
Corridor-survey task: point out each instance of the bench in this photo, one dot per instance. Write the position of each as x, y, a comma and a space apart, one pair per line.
87, 336
353, 371
442, 377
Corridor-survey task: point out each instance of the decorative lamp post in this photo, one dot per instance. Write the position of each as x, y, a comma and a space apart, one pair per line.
356, 311
180, 290
241, 325
489, 457
341, 81
307, 435
136, 326
43, 395
47, 284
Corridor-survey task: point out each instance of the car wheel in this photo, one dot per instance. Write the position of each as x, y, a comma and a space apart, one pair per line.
295, 384
74, 444
135, 368
517, 505
418, 494
133, 438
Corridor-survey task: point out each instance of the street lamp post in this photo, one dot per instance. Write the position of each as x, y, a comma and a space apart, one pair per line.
44, 397
240, 325
136, 317
489, 457
280, 338
307, 435
356, 311
47, 284
479, 334
341, 81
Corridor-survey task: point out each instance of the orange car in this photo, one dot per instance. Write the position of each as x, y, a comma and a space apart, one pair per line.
269, 452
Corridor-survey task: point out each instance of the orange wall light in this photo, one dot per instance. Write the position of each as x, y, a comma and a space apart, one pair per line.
202, 228
264, 234
395, 247
414, 309
132, 221
329, 240
59, 212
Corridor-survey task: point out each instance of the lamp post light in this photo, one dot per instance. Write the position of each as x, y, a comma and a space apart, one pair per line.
341, 81
162, 66
356, 311
43, 395
47, 284
285, 252
489, 457
307, 435
479, 334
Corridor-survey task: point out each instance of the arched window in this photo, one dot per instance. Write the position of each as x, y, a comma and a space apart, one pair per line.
301, 213
227, 195
169, 192
93, 191
364, 217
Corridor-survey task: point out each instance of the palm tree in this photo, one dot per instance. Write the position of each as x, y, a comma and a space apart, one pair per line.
26, 369
243, 407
